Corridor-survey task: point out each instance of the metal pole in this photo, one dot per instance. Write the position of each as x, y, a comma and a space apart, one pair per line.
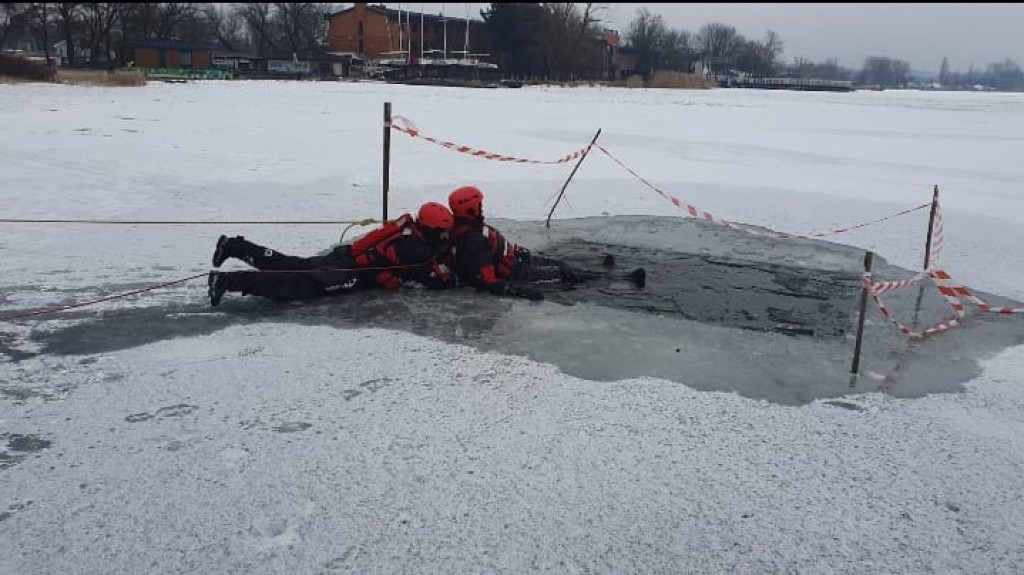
566, 184
387, 158
868, 256
927, 253
931, 228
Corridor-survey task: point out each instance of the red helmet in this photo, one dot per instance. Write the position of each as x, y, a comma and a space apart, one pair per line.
435, 215
467, 203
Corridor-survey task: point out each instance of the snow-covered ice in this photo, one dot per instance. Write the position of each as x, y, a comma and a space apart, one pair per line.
459, 432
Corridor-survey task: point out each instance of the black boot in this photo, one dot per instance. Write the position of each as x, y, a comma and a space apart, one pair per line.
638, 277
227, 248
217, 284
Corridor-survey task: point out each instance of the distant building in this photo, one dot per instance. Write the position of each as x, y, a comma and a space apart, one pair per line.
238, 61
166, 54
625, 62
610, 42
62, 55
375, 32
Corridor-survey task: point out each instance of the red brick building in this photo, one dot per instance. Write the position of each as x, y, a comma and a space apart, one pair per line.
166, 54
375, 32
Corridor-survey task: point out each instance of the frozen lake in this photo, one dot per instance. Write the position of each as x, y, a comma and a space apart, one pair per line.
707, 422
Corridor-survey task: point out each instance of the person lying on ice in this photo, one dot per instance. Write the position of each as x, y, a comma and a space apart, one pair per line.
400, 250
487, 260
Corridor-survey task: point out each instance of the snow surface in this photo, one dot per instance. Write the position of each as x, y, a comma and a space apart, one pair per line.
268, 441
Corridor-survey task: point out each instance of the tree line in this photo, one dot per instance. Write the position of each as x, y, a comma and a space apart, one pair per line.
97, 28
722, 51
545, 41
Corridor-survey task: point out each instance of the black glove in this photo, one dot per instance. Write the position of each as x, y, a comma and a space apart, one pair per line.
569, 275
518, 290
529, 292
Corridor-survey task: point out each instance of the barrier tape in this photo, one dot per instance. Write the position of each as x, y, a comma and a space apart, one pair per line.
907, 330
938, 236
880, 288
954, 294
950, 289
933, 258
402, 124
708, 217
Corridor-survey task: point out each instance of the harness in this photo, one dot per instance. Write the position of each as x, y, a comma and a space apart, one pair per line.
503, 252
378, 249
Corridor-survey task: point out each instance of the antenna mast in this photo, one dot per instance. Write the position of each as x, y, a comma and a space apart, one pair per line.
466, 47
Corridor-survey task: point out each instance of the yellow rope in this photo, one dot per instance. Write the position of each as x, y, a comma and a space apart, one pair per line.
366, 222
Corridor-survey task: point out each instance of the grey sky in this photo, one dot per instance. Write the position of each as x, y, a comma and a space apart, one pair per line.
921, 33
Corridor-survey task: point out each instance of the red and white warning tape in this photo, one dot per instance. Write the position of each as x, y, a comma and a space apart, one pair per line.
402, 124
880, 288
693, 211
950, 290
950, 296
938, 236
907, 330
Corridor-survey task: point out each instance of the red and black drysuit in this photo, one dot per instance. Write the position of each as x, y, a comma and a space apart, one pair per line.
397, 252
487, 260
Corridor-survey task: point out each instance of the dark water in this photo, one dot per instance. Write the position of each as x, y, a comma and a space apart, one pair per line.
764, 297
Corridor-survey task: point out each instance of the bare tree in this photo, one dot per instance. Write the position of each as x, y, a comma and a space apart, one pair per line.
830, 69
161, 21
68, 13
770, 49
260, 22
100, 19
519, 34
887, 72
13, 21
719, 44
646, 34
566, 27
1005, 75
172, 15
39, 17
677, 51
587, 56
301, 27
226, 25
139, 21
759, 57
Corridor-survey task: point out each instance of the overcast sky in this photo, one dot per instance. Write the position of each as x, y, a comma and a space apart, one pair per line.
921, 34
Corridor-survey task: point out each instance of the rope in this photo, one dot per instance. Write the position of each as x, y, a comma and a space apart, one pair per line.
45, 311
366, 222
57, 309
